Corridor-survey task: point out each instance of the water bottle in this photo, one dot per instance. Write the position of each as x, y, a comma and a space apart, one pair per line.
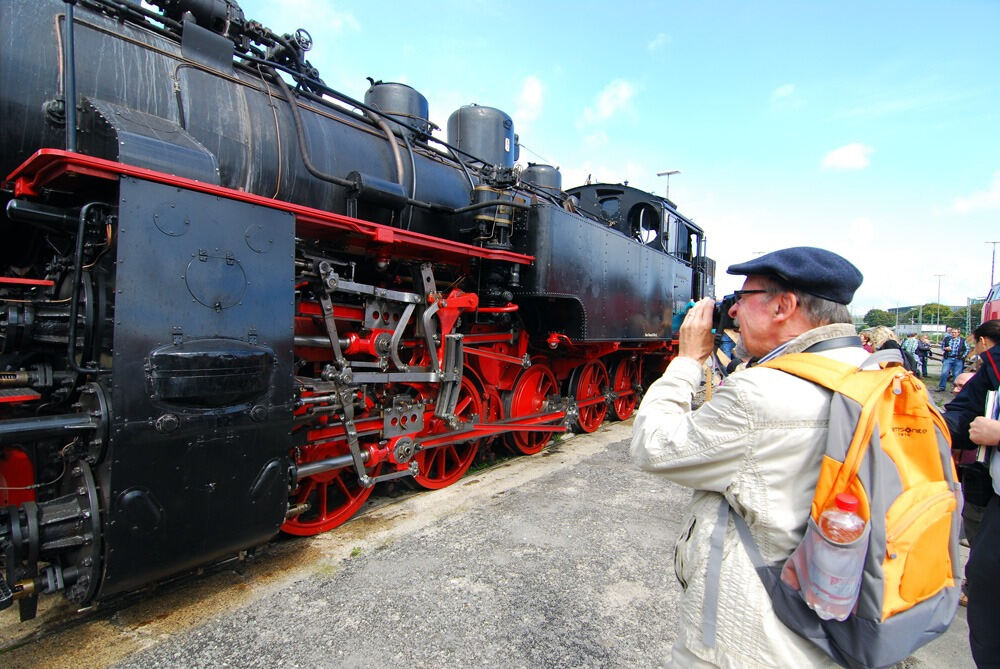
836, 560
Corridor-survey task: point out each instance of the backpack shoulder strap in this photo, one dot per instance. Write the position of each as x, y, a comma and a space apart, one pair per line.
714, 570
819, 369
841, 376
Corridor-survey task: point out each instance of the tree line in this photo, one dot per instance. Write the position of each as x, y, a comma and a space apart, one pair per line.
932, 313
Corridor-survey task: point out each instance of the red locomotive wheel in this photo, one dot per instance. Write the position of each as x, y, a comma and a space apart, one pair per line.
587, 384
442, 466
625, 375
333, 497
494, 410
527, 397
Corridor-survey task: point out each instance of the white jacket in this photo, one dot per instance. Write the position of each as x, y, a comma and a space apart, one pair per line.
759, 442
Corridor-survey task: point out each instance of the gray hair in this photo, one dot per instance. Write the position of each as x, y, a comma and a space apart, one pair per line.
816, 310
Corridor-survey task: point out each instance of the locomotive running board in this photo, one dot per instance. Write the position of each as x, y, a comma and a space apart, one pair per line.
47, 166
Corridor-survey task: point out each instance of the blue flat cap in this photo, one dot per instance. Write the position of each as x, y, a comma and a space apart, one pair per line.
815, 271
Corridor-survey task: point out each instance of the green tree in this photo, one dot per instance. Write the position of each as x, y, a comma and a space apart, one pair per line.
936, 313
977, 313
879, 317
963, 319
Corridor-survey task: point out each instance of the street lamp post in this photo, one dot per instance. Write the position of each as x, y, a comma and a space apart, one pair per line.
667, 174
938, 309
993, 264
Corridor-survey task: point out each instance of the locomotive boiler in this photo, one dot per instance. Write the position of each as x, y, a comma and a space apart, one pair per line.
233, 300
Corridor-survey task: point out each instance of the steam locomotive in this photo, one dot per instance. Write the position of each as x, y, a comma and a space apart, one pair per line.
232, 299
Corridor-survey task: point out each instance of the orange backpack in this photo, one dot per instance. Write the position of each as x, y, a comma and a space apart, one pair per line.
888, 446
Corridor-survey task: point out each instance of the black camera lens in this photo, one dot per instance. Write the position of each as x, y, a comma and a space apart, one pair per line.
721, 319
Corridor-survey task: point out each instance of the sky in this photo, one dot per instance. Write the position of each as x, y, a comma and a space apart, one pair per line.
868, 128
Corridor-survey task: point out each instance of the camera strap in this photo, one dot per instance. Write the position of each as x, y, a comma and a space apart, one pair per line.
836, 342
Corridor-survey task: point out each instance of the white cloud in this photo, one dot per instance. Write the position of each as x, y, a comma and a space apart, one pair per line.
849, 157
783, 91
785, 97
529, 102
615, 97
658, 42
595, 140
983, 200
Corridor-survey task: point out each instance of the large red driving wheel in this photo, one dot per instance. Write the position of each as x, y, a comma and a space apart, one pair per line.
494, 410
625, 381
528, 397
442, 466
332, 496
587, 384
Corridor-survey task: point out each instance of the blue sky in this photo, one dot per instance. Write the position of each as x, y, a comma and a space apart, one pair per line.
870, 128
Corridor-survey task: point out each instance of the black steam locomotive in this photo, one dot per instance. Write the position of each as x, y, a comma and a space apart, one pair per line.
232, 300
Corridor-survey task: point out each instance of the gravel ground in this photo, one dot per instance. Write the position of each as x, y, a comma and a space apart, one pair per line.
571, 569
562, 559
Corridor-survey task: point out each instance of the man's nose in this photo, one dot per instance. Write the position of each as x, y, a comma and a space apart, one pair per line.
734, 309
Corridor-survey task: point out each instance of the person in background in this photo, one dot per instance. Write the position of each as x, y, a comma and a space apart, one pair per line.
882, 338
970, 429
910, 346
727, 343
758, 444
954, 349
923, 353
960, 382
972, 514
971, 361
866, 341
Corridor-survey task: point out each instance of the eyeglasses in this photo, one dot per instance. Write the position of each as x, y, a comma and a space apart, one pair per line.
738, 294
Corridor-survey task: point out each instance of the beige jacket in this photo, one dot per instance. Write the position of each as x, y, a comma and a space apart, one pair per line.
759, 442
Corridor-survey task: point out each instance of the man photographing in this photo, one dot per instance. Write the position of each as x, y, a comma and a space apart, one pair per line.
758, 442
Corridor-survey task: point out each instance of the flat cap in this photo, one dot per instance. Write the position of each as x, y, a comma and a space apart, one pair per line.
815, 271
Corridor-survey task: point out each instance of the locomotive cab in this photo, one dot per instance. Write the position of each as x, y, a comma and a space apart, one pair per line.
653, 222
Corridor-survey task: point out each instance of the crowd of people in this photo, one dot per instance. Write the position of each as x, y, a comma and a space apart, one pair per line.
758, 443
955, 352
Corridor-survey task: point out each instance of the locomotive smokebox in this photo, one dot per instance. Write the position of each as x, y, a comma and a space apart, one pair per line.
403, 103
484, 132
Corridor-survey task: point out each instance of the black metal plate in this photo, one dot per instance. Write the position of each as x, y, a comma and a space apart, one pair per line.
190, 473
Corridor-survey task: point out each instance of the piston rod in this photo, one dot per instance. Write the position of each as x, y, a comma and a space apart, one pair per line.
41, 427
329, 464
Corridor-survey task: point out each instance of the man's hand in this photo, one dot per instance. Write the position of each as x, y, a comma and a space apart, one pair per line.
696, 340
984, 431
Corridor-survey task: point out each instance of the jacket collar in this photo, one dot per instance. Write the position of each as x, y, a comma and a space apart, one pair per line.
812, 337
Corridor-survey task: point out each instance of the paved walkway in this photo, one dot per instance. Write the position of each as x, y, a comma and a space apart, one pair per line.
559, 560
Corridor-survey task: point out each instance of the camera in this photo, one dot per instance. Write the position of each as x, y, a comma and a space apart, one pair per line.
721, 319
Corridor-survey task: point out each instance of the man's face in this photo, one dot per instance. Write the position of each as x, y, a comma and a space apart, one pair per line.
960, 382
954, 332
754, 315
